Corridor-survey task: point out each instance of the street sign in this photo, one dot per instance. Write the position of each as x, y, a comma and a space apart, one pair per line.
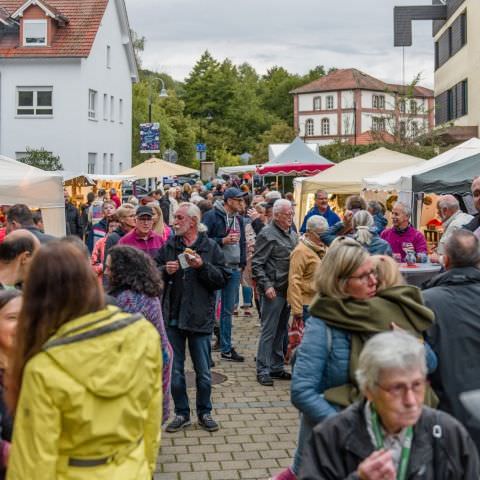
201, 147
201, 156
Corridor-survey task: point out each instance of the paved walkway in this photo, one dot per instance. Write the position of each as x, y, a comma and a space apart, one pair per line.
258, 425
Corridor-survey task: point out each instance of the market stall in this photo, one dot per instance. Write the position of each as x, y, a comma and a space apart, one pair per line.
157, 168
345, 178
21, 183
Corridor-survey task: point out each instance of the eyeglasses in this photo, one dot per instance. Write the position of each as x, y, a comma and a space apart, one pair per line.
399, 390
365, 277
145, 219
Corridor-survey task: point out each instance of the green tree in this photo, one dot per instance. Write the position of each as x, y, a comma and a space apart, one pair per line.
40, 158
280, 132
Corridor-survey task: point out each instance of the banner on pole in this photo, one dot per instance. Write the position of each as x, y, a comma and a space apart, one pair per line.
149, 138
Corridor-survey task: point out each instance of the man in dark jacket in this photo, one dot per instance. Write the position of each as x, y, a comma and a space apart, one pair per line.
20, 216
126, 217
391, 435
322, 208
226, 227
191, 279
72, 217
270, 266
455, 335
474, 224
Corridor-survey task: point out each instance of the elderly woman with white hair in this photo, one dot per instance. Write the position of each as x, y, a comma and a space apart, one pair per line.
391, 434
365, 233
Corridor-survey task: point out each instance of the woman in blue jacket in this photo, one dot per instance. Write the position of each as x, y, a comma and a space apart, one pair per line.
345, 309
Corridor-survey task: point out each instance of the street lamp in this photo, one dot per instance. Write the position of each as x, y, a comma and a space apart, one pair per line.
163, 93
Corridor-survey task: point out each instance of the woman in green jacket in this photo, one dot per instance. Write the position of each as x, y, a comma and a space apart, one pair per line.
86, 381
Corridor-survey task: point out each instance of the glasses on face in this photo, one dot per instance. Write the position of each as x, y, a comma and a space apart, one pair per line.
145, 219
286, 214
365, 277
399, 390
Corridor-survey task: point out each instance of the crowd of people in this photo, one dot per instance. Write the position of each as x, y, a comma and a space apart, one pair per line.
94, 330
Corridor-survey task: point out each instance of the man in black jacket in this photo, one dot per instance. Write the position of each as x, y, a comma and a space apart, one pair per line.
72, 217
20, 216
391, 435
455, 335
191, 278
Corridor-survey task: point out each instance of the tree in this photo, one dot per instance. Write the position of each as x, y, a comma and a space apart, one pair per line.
40, 158
138, 46
280, 132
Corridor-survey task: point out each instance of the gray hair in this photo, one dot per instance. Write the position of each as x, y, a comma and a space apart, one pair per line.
317, 223
406, 208
396, 350
448, 201
375, 207
194, 212
280, 204
273, 195
362, 223
463, 249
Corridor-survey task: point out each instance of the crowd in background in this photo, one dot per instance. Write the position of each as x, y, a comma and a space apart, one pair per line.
94, 330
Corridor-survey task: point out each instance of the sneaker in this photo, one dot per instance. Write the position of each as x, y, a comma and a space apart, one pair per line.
286, 474
265, 380
178, 423
208, 423
232, 356
247, 306
282, 375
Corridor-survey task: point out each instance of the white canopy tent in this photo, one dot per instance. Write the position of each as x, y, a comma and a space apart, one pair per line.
400, 180
345, 178
237, 170
20, 183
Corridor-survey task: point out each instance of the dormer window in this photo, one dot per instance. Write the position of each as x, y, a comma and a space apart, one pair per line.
34, 33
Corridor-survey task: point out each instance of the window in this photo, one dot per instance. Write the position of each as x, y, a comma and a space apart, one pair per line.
35, 101
317, 103
452, 41
309, 128
112, 108
378, 101
120, 110
401, 106
34, 33
378, 124
104, 166
92, 160
325, 126
109, 56
92, 104
413, 107
414, 129
402, 129
120, 167
105, 106
112, 166
330, 103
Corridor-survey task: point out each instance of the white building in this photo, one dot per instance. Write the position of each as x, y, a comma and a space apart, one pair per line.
351, 106
66, 73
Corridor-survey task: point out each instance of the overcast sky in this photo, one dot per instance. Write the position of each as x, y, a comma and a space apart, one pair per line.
296, 35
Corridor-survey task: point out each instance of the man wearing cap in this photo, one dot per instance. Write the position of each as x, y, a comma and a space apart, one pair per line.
142, 236
226, 227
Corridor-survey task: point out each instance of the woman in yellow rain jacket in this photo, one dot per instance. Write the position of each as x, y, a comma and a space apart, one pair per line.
86, 383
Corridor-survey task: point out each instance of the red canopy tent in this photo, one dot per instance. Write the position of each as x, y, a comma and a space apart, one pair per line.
297, 160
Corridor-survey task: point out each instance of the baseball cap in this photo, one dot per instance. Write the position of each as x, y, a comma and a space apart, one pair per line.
144, 210
233, 192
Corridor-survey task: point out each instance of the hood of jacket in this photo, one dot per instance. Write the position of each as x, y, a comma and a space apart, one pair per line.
455, 276
109, 364
401, 304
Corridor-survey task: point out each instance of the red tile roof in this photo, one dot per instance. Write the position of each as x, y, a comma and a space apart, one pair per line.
75, 39
351, 79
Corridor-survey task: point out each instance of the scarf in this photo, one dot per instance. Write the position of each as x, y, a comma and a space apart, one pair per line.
320, 250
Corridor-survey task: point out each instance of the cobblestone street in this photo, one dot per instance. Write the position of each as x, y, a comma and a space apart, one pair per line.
258, 425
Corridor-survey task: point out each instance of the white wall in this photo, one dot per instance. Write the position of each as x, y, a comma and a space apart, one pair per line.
317, 121
348, 123
305, 100
70, 134
347, 99
367, 99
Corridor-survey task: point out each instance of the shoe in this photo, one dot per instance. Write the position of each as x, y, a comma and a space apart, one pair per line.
178, 423
246, 313
208, 423
235, 312
216, 346
232, 356
283, 375
246, 307
265, 380
286, 474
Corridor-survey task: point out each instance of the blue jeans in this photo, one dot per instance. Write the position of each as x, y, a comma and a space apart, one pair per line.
200, 351
304, 432
247, 293
229, 294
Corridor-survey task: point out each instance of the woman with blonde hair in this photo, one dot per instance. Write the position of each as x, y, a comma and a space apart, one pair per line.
347, 310
159, 225
365, 233
388, 274
86, 380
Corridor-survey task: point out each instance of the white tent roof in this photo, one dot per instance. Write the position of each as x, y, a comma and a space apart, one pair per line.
92, 178
346, 177
401, 179
275, 149
20, 183
238, 169
155, 168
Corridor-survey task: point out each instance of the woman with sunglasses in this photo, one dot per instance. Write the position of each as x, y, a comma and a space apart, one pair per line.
345, 312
